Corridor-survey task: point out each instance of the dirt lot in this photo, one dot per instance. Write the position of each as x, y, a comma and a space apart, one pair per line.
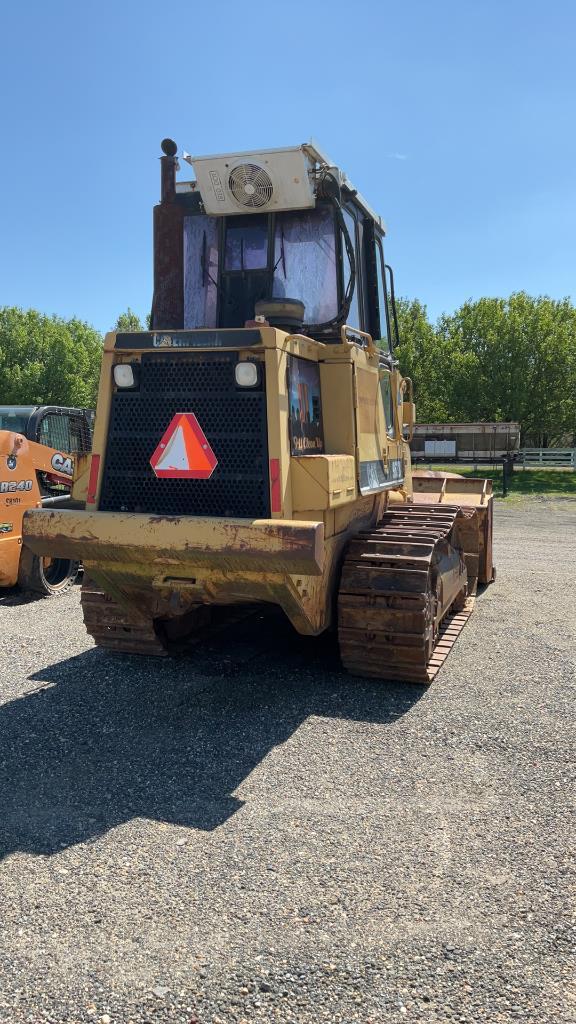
250, 835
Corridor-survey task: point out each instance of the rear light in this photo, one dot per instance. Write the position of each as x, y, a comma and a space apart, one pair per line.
246, 374
93, 480
124, 375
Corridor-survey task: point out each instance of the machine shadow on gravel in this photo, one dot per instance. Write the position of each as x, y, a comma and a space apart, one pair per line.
105, 739
13, 598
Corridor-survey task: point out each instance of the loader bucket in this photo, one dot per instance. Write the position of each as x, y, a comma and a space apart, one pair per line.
473, 493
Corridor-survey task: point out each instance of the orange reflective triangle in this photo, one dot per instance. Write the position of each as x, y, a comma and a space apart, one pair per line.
183, 451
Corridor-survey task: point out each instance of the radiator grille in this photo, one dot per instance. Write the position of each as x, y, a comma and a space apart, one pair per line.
233, 420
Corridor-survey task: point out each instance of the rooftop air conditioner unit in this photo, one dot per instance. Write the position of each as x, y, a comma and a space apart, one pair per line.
263, 182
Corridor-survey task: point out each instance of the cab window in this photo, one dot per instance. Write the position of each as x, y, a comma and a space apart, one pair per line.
67, 432
246, 243
55, 432
353, 317
382, 294
387, 402
15, 417
305, 262
200, 271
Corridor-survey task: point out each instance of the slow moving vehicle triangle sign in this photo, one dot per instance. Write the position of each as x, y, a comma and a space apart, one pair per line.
183, 451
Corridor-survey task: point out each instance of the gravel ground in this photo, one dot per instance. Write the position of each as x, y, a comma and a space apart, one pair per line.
250, 835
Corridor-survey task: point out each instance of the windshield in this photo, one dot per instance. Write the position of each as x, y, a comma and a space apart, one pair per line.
15, 417
292, 256
246, 243
305, 262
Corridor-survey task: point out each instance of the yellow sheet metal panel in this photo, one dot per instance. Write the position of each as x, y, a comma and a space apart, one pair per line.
379, 461
278, 433
361, 514
322, 481
338, 408
470, 493
81, 475
452, 490
99, 440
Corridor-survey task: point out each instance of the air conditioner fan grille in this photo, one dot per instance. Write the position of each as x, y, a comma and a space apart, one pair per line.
250, 185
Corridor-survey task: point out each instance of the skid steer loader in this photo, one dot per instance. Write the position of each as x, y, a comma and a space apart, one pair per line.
39, 446
252, 446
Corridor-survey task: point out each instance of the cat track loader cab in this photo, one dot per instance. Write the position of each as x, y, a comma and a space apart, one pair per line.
252, 446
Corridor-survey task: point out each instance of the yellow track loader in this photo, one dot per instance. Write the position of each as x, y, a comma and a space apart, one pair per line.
252, 446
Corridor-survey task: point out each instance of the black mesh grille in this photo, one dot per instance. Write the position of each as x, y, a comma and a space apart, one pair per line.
233, 420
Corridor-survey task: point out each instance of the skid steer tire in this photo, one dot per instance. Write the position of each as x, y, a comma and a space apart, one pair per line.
47, 577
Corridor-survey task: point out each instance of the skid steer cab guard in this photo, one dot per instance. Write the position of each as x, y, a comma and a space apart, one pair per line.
252, 446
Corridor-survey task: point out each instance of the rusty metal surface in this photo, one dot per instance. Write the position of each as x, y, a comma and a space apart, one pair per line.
113, 627
168, 298
116, 628
399, 582
449, 489
471, 493
433, 474
173, 567
306, 600
172, 544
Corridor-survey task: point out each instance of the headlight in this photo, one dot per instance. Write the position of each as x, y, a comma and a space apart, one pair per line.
246, 374
124, 375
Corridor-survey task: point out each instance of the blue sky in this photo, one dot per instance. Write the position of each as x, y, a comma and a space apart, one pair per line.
454, 119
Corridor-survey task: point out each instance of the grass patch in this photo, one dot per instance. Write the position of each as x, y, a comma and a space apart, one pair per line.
551, 482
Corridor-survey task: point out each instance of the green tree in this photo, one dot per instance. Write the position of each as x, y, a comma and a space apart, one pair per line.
423, 358
129, 321
495, 359
45, 360
515, 360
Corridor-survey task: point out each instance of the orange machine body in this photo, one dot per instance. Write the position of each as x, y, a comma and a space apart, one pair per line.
24, 466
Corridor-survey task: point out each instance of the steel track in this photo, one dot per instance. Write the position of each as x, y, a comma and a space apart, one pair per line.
112, 627
389, 622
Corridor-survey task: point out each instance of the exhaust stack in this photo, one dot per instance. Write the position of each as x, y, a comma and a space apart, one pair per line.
168, 299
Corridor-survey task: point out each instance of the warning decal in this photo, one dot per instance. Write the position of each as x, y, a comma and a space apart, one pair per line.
184, 451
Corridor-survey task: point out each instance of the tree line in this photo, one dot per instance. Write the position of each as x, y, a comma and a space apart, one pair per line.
492, 359
47, 360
